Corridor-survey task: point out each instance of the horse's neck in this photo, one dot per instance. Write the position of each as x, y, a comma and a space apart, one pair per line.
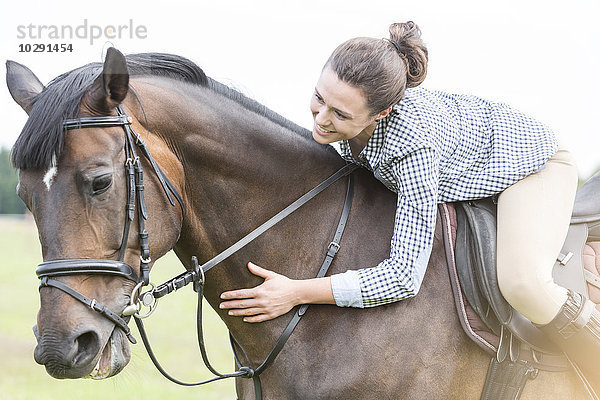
240, 169
240, 166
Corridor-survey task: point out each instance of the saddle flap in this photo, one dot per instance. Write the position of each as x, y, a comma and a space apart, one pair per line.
468, 283
480, 222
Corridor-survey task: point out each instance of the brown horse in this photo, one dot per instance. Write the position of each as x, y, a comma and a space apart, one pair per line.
235, 164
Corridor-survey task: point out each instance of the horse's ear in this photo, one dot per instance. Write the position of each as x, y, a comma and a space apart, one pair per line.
110, 88
23, 85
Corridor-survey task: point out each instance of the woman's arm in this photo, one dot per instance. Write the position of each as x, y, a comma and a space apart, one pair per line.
275, 296
396, 278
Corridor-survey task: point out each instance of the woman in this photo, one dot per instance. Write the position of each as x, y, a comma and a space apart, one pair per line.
432, 147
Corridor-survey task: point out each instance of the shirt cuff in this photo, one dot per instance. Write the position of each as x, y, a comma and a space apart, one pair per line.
346, 289
420, 267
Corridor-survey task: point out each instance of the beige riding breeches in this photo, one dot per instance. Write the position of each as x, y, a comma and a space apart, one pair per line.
533, 219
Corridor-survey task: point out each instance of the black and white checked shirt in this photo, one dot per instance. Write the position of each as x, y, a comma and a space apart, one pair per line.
436, 147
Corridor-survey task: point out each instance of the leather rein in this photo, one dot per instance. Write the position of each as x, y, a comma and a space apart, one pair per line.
118, 268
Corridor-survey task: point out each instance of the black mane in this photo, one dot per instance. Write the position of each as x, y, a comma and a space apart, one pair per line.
42, 136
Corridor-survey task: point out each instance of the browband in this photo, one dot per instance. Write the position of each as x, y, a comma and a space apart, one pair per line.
83, 122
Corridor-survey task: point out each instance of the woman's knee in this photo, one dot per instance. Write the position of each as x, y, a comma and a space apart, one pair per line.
534, 295
516, 287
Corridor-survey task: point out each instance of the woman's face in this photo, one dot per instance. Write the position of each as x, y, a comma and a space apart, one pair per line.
339, 110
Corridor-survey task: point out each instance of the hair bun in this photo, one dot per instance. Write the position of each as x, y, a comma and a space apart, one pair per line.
411, 47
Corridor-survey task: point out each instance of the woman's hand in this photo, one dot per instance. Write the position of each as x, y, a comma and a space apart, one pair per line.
276, 296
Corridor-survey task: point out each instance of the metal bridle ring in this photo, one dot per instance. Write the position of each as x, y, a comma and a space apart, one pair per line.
139, 303
202, 280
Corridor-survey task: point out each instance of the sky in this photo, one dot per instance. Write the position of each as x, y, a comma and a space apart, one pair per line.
541, 57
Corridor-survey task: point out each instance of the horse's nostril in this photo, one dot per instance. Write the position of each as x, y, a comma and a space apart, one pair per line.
87, 347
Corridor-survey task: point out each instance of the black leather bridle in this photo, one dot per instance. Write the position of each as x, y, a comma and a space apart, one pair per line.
135, 190
48, 270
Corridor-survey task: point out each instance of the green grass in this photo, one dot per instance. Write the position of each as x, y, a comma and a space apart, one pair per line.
171, 329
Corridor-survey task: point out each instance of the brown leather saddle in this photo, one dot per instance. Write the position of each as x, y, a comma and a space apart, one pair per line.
518, 348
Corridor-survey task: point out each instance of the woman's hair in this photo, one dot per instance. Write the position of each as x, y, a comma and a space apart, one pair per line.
382, 68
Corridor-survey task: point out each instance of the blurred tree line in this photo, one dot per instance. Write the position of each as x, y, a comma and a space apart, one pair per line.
9, 201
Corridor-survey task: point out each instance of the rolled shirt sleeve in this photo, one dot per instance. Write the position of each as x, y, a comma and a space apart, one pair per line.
399, 277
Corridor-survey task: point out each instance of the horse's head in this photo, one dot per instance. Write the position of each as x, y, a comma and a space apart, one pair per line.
75, 184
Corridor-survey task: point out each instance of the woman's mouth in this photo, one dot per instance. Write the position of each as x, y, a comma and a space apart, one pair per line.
322, 131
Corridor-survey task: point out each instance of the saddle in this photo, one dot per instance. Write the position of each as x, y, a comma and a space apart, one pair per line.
518, 348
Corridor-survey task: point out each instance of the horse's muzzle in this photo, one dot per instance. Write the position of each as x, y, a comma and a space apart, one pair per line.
83, 355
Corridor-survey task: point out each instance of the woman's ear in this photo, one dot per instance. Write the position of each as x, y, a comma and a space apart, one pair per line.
383, 114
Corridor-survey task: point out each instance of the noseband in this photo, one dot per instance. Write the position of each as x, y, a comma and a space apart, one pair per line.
118, 268
135, 190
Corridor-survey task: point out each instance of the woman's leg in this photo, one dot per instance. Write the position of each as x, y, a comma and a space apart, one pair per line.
533, 220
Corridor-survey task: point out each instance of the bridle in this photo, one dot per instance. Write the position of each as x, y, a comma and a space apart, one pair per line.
135, 190
48, 270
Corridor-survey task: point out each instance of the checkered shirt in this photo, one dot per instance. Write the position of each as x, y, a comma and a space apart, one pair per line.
436, 147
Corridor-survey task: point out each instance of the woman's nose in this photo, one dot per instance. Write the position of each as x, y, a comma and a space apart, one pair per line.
321, 117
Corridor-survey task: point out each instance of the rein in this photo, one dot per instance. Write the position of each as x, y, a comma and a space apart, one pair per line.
197, 277
135, 191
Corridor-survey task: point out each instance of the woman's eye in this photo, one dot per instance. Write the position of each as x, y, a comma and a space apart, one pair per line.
101, 184
319, 98
340, 116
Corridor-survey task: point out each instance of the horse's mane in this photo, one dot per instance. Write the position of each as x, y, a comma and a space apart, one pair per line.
42, 136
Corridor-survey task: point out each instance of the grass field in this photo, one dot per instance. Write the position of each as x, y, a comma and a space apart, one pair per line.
171, 329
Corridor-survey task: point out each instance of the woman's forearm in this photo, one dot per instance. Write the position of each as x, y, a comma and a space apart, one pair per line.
314, 291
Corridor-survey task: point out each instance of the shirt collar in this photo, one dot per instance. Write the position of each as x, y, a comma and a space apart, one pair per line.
368, 157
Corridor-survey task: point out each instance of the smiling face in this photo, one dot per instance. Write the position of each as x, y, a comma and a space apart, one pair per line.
340, 111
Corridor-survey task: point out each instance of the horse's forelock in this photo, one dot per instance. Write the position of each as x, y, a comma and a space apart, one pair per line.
43, 136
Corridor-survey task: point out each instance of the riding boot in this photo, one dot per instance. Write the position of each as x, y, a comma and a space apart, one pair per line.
576, 330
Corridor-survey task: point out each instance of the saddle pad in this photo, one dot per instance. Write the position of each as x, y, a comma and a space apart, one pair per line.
473, 326
591, 262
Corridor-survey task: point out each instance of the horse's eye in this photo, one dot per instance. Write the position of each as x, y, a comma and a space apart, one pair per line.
101, 184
